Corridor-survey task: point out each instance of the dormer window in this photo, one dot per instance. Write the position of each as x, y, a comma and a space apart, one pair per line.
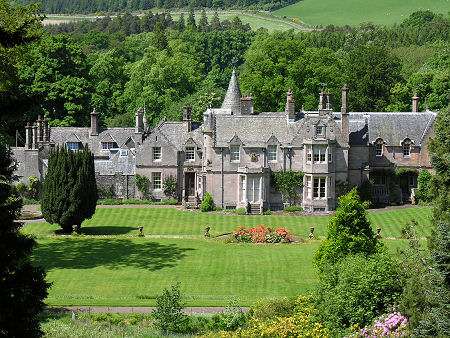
406, 147
379, 147
109, 145
234, 153
272, 153
72, 145
320, 131
190, 154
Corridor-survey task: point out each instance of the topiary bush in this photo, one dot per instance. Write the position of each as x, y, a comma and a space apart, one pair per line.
207, 203
423, 193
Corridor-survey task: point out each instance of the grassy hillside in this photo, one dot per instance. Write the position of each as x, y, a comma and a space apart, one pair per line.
353, 12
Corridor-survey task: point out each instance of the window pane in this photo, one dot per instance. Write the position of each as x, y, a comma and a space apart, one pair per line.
156, 180
190, 153
234, 153
156, 153
272, 153
379, 149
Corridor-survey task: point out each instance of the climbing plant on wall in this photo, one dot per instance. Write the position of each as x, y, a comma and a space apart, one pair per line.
288, 183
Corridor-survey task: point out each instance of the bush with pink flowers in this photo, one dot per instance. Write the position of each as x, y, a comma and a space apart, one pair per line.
392, 324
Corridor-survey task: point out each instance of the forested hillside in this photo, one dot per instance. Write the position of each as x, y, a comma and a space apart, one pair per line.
120, 64
93, 6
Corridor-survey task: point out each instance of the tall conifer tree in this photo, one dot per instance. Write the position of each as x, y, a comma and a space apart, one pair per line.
22, 286
69, 192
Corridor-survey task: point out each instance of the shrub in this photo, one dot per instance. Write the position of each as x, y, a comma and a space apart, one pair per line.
299, 324
267, 212
349, 232
365, 191
217, 209
170, 187
143, 185
293, 208
282, 307
168, 313
356, 290
111, 201
241, 211
232, 318
388, 325
423, 193
207, 203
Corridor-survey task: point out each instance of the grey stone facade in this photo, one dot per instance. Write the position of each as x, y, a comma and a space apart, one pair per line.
234, 152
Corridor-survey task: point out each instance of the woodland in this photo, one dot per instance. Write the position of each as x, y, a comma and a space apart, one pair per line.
118, 64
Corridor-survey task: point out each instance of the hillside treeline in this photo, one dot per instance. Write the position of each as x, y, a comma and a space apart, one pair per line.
95, 6
164, 65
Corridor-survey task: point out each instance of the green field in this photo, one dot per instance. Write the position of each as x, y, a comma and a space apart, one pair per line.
120, 269
353, 12
169, 221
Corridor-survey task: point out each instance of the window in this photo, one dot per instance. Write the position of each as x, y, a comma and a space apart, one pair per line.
309, 153
156, 181
234, 153
72, 145
406, 149
123, 152
272, 153
253, 189
308, 187
319, 130
108, 145
379, 149
319, 188
156, 153
330, 156
412, 180
319, 154
243, 188
190, 153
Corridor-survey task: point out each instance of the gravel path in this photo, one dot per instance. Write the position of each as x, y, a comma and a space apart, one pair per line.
137, 309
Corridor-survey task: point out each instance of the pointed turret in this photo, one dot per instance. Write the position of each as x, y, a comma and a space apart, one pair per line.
233, 97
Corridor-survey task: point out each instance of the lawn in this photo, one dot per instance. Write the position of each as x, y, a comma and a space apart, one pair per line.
132, 271
169, 221
353, 12
121, 271
117, 268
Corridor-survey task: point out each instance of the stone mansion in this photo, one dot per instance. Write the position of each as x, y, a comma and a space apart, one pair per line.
234, 152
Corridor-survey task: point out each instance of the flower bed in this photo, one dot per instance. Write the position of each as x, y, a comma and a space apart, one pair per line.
262, 234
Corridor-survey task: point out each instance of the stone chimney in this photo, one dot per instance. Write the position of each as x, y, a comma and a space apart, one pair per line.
329, 106
187, 121
247, 105
46, 131
344, 107
39, 129
290, 105
94, 123
139, 128
415, 103
34, 144
321, 103
345, 124
28, 136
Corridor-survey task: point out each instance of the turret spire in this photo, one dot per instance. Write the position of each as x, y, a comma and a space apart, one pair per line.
233, 97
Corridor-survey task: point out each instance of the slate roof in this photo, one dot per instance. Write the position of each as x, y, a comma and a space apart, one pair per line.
174, 131
391, 127
233, 96
62, 135
253, 130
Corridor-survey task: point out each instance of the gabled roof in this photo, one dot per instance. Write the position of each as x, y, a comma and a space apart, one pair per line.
232, 98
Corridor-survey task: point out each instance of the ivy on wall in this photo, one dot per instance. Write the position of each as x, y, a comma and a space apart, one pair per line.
288, 183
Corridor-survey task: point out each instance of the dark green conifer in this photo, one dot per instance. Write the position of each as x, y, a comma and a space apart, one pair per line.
191, 20
22, 286
180, 23
69, 192
215, 22
203, 22
159, 39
